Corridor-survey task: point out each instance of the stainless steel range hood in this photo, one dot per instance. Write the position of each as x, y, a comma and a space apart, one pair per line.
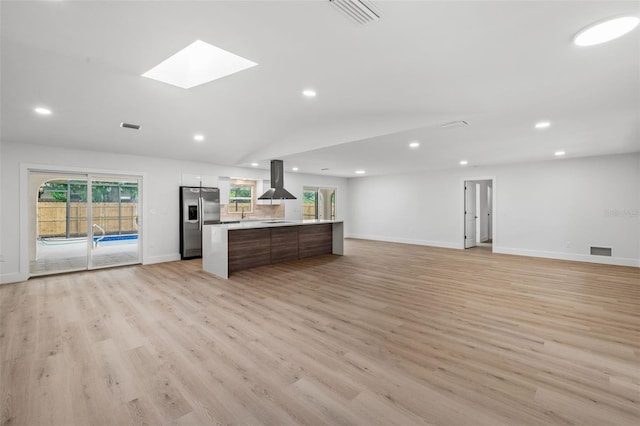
277, 191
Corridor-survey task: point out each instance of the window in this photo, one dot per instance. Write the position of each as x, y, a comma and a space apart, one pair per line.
319, 203
240, 198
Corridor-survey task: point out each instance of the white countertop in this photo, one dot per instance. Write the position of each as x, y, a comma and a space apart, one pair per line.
272, 223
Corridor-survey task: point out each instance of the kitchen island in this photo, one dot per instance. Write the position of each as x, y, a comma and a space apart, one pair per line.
233, 247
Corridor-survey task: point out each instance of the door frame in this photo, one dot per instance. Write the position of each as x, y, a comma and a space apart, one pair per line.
494, 205
26, 168
470, 216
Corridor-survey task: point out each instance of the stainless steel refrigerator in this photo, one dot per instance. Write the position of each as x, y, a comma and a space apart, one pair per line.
198, 207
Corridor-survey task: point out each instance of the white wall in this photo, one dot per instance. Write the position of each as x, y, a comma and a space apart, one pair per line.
160, 198
555, 209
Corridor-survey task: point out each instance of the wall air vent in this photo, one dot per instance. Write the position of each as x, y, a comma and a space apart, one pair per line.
601, 251
130, 126
359, 11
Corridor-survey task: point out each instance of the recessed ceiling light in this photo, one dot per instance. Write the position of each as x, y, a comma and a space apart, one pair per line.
360, 172
42, 111
295, 169
198, 138
543, 125
254, 164
464, 162
559, 153
309, 93
197, 64
602, 32
414, 144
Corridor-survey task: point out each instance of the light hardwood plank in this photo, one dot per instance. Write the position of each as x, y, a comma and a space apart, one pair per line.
387, 334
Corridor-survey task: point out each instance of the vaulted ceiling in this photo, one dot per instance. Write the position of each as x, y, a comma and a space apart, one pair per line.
499, 66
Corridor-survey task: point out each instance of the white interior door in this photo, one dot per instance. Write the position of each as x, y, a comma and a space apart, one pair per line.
489, 213
479, 220
469, 214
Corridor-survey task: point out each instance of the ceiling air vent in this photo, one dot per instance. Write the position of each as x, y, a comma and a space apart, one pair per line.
600, 251
455, 123
360, 11
130, 126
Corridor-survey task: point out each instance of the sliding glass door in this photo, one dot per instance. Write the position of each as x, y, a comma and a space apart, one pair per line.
82, 221
58, 219
114, 221
319, 203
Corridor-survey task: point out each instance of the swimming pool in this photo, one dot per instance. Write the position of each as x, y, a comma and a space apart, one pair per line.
113, 239
116, 237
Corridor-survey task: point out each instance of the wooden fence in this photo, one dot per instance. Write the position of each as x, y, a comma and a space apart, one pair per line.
114, 218
309, 211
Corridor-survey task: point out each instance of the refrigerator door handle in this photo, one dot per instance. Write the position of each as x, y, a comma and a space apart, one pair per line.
200, 213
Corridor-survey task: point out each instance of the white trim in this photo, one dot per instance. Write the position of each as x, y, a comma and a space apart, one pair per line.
406, 241
150, 260
89, 231
23, 214
14, 277
620, 261
68, 169
26, 168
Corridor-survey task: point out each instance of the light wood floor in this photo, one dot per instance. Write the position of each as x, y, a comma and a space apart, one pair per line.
388, 334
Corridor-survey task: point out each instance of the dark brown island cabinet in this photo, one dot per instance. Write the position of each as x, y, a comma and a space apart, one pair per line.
228, 248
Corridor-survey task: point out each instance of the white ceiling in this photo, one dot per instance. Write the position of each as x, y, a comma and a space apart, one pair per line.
501, 66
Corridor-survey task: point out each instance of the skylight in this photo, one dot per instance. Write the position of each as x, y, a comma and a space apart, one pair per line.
606, 31
197, 64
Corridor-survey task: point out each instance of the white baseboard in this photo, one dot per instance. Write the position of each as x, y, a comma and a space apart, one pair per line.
149, 260
14, 277
406, 241
620, 261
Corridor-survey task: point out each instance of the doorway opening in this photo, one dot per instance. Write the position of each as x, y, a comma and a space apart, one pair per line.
319, 203
82, 221
478, 213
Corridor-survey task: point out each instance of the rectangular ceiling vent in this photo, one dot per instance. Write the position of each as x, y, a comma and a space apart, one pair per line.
359, 11
130, 126
601, 251
455, 123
